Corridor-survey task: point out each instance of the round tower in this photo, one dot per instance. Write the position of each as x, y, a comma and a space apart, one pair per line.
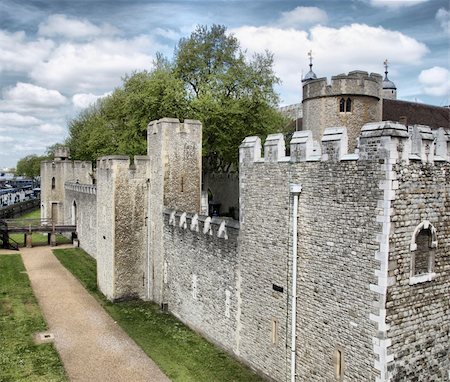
389, 88
351, 100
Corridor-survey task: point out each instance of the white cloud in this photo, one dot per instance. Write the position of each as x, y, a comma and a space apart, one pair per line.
302, 16
4, 139
17, 120
83, 100
167, 33
61, 25
17, 54
50, 128
25, 94
435, 81
443, 16
94, 66
395, 4
335, 50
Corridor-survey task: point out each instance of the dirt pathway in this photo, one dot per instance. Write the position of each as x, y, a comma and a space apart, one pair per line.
92, 347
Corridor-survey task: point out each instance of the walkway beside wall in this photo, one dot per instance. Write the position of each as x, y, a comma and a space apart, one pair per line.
91, 345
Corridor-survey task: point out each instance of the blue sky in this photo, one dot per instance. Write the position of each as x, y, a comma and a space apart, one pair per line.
57, 57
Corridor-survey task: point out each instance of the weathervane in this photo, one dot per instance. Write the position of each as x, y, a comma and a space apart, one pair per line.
385, 66
310, 59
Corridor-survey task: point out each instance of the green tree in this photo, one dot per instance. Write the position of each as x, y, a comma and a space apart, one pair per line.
30, 166
233, 97
117, 124
209, 79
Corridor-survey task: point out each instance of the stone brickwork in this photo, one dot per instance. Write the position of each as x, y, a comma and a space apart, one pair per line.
200, 274
372, 243
359, 312
122, 200
175, 182
321, 104
81, 210
53, 176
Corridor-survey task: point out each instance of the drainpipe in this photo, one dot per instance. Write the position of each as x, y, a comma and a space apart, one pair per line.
295, 190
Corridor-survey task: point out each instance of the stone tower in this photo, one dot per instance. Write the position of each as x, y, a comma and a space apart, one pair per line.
175, 154
54, 173
351, 100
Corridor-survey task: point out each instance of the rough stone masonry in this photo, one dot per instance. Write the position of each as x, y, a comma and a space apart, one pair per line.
373, 247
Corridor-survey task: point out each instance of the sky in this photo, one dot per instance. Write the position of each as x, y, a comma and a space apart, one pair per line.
58, 56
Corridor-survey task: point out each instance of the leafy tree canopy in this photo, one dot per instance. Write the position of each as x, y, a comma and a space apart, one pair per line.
30, 166
208, 79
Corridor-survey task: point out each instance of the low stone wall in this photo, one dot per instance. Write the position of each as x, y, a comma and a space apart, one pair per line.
81, 209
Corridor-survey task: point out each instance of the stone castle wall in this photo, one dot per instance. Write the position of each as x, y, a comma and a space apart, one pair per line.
81, 209
175, 182
418, 312
200, 274
351, 314
122, 195
52, 194
361, 313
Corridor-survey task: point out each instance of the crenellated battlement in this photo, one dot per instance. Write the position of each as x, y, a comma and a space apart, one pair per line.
377, 140
173, 125
353, 83
206, 225
119, 163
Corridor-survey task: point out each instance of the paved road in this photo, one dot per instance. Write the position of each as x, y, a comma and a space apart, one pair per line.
92, 347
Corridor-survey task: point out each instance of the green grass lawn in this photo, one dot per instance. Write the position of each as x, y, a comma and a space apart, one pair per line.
181, 353
20, 318
38, 238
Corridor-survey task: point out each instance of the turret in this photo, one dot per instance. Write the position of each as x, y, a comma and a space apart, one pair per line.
389, 88
351, 100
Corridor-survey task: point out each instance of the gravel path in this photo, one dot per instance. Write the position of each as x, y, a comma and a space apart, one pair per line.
91, 345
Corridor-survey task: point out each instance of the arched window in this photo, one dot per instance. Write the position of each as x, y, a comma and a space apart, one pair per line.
53, 183
348, 106
342, 105
423, 244
345, 105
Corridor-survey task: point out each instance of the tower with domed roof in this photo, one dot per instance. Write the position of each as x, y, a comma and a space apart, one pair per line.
389, 88
310, 75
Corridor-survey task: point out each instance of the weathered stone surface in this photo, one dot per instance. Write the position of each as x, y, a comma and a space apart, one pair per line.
53, 176
81, 209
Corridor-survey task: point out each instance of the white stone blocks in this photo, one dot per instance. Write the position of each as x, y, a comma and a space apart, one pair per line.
422, 143
250, 150
334, 143
303, 147
274, 148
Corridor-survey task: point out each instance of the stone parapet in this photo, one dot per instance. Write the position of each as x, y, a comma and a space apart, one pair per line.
377, 140
353, 83
83, 188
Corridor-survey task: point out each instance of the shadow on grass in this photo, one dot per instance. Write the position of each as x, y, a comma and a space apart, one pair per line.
181, 353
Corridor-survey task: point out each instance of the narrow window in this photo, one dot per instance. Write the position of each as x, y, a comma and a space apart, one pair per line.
182, 184
342, 105
338, 364
274, 331
423, 244
348, 106
194, 287
53, 183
